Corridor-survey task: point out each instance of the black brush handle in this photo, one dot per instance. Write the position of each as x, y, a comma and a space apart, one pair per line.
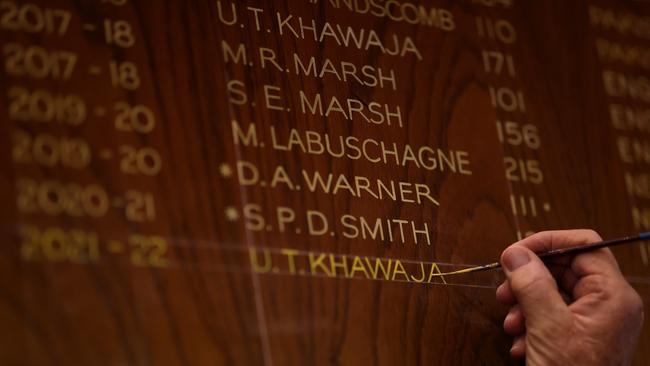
593, 246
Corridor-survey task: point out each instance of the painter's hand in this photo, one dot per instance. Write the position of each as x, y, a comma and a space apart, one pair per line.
578, 311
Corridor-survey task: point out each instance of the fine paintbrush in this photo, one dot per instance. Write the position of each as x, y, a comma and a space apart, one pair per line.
560, 251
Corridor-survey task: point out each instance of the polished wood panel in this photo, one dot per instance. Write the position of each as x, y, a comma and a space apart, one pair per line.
158, 162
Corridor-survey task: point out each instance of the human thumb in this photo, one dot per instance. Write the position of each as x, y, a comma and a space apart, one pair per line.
532, 285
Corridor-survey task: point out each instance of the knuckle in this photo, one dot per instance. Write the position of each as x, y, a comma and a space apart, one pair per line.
635, 304
628, 305
592, 285
595, 284
629, 310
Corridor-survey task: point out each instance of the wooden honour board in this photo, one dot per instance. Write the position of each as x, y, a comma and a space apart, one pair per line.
274, 182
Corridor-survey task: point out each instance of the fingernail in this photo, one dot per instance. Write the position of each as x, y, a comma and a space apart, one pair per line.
513, 349
514, 258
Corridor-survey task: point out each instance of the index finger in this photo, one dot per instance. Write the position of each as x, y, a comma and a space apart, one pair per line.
600, 261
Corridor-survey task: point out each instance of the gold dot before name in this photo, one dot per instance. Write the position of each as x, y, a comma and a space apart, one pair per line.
225, 170
232, 214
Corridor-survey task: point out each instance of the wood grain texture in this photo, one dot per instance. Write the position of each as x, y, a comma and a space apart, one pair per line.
208, 303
